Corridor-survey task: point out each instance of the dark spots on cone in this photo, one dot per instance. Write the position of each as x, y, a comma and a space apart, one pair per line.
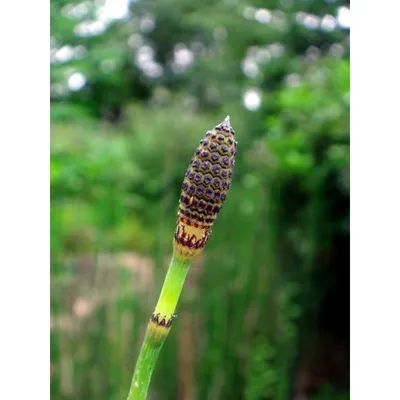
206, 165
193, 203
204, 154
225, 161
214, 157
209, 193
207, 179
217, 182
216, 169
206, 183
185, 200
198, 177
200, 190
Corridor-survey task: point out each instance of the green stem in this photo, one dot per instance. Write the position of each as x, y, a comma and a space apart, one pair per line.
157, 332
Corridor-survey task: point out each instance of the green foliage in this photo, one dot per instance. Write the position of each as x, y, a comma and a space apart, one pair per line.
262, 374
328, 393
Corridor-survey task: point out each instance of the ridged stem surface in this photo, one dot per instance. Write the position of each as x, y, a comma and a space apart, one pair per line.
158, 327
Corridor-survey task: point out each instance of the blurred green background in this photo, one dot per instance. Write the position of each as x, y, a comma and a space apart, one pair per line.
134, 86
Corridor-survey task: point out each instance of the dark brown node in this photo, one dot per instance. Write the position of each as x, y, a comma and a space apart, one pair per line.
154, 317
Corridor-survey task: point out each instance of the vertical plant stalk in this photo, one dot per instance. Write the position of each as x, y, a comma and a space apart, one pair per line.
158, 327
206, 183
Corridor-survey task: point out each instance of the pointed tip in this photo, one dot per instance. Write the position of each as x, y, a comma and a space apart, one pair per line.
225, 125
226, 122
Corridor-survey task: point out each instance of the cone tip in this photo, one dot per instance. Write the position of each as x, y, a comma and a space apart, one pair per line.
226, 122
225, 125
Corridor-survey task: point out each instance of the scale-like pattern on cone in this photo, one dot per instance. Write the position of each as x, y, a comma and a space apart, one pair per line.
204, 189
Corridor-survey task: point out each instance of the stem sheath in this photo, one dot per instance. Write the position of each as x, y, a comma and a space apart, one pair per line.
158, 327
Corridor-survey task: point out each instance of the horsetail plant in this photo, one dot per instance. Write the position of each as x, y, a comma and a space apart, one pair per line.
206, 183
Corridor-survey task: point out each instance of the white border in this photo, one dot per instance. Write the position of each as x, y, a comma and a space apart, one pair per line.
375, 200
24, 201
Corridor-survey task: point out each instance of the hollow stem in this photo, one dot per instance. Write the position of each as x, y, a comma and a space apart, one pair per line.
158, 327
